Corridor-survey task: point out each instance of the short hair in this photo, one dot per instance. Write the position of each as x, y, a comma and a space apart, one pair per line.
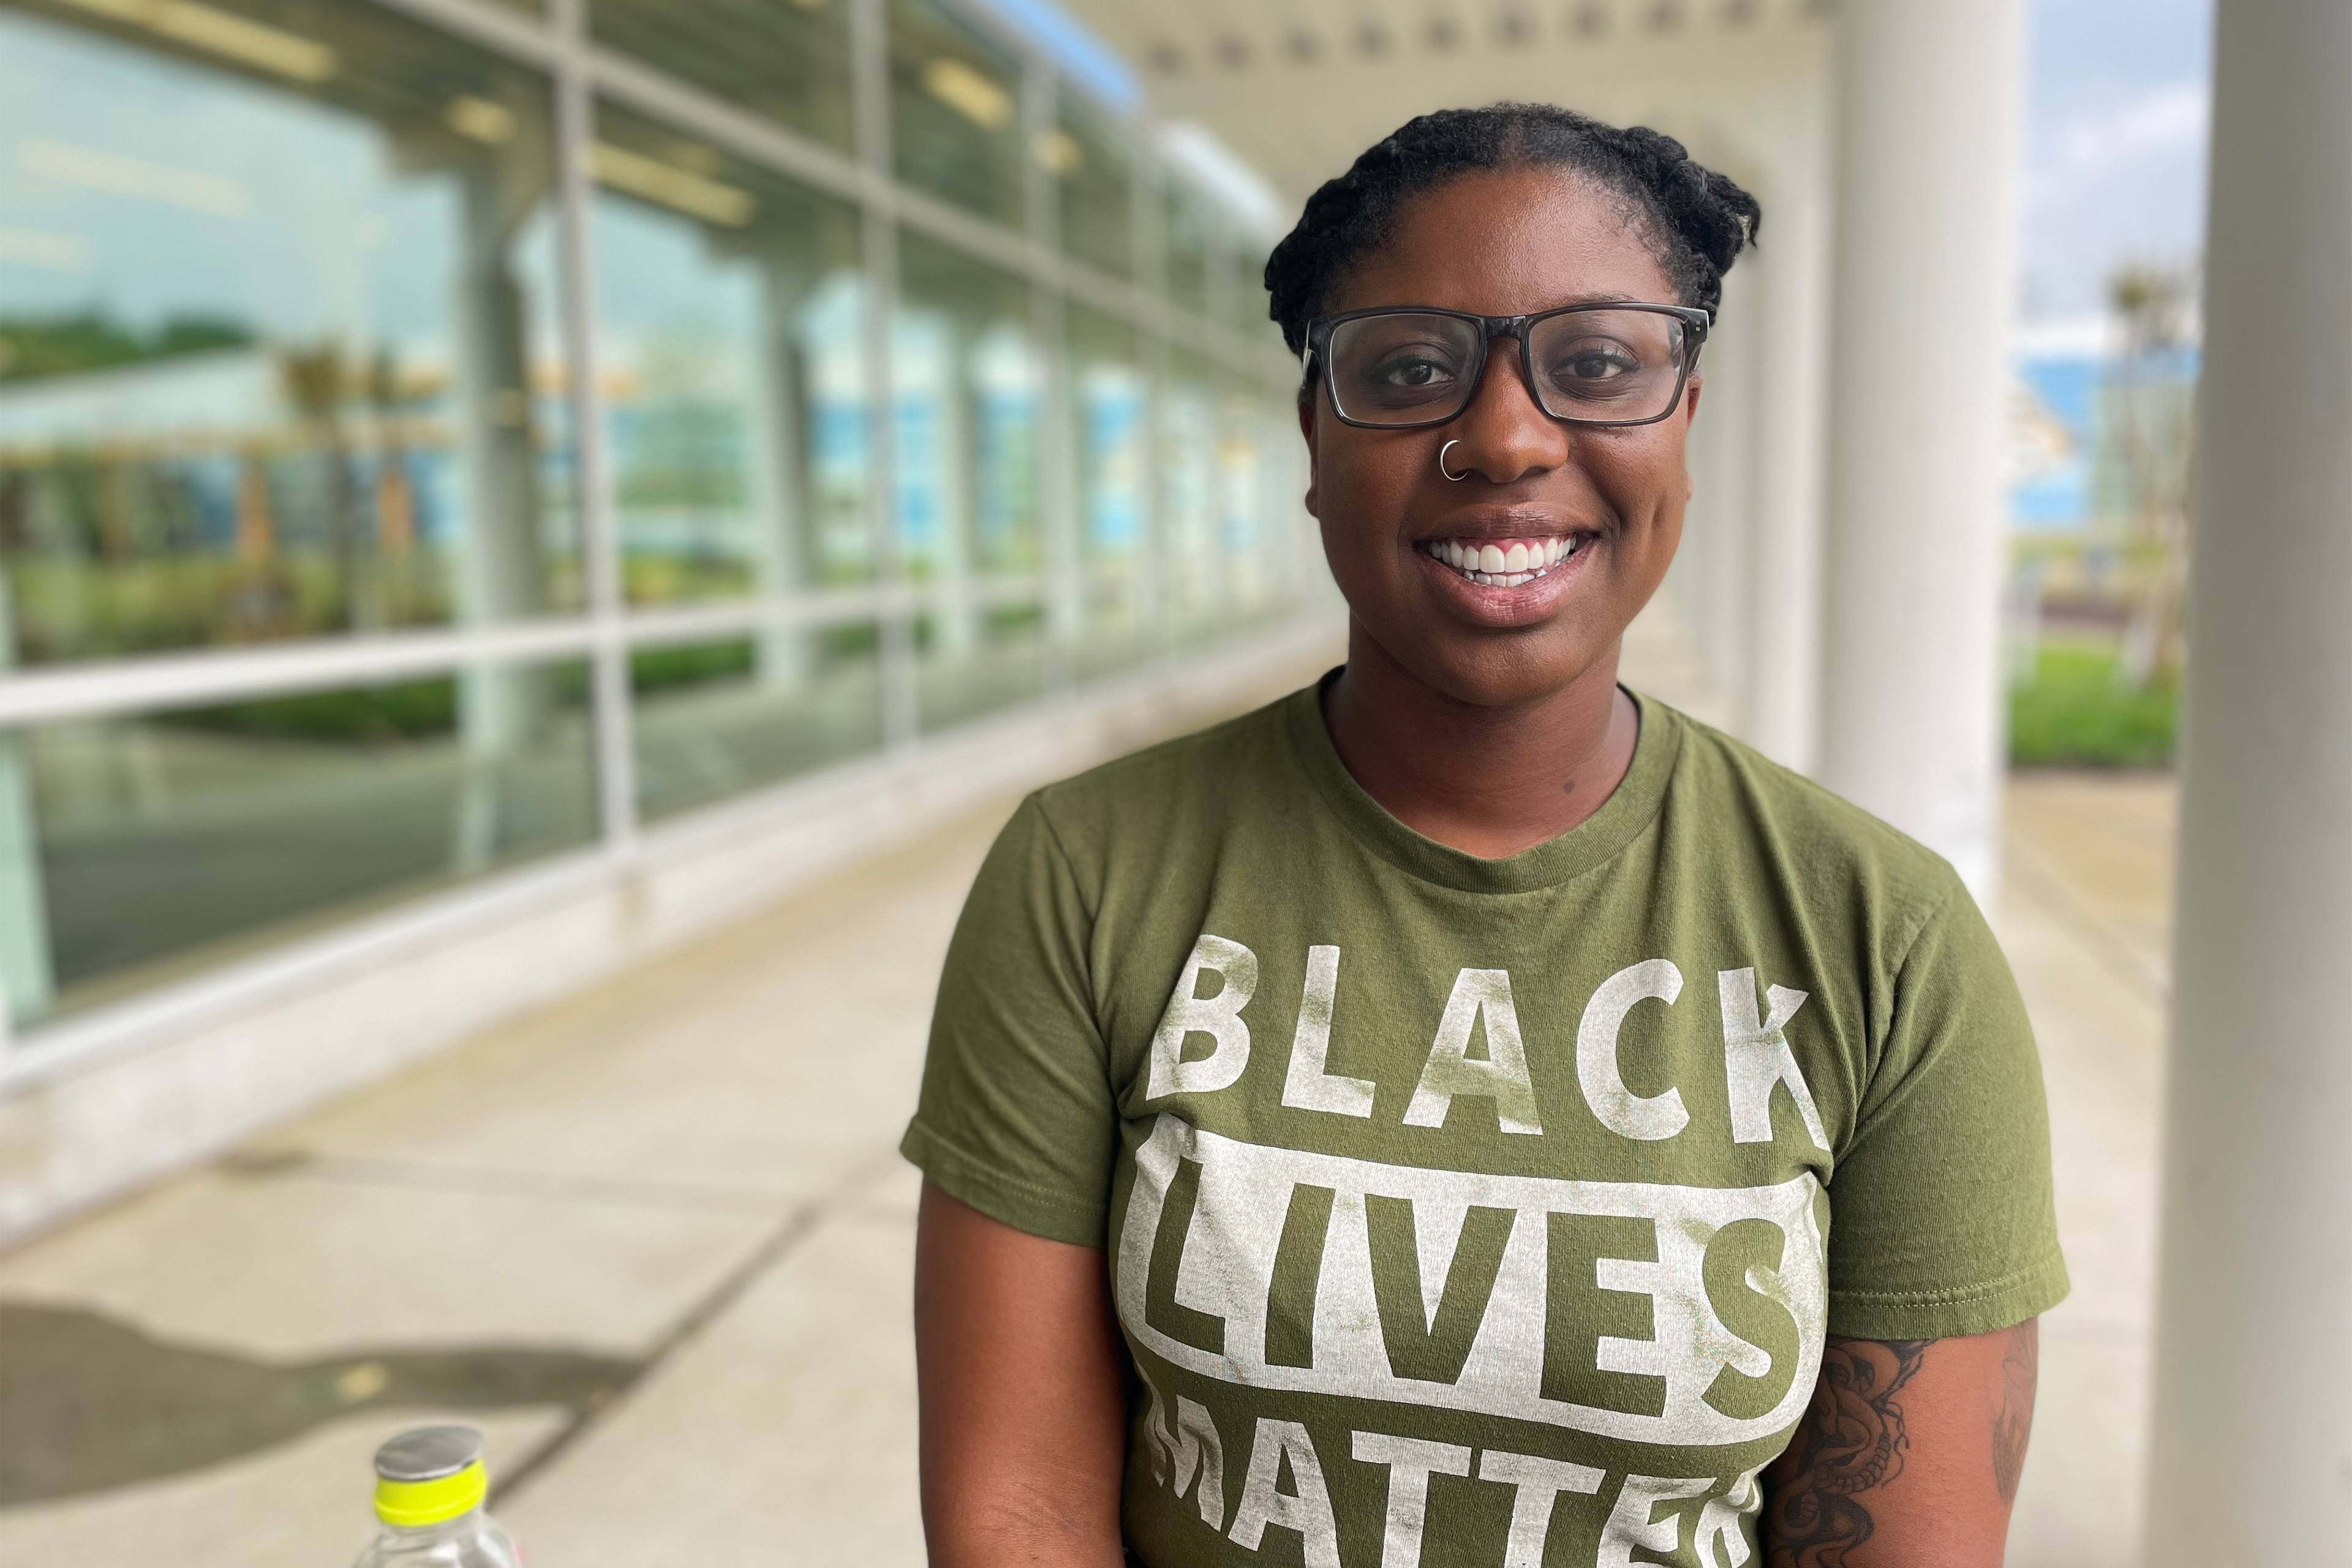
1696, 222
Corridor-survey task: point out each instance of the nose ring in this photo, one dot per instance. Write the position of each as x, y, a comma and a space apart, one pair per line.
1440, 462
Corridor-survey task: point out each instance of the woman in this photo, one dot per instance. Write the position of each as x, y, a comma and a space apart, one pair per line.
1466, 1112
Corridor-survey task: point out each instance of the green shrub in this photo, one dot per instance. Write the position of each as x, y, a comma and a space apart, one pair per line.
2074, 712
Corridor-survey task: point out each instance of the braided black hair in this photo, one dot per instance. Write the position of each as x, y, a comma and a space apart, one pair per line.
1698, 221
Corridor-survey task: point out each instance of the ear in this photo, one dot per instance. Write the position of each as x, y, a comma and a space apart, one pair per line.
1309, 429
1690, 417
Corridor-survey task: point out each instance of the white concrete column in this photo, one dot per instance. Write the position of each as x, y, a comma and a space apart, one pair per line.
1702, 597
1928, 104
1782, 716
27, 975
1718, 610
780, 545
500, 568
2251, 1458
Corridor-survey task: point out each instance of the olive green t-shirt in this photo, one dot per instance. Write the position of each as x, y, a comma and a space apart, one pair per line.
1484, 1211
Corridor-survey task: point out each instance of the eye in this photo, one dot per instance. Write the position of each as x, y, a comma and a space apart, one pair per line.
1409, 368
1589, 362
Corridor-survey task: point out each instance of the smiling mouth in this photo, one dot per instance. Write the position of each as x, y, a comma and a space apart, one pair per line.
1505, 563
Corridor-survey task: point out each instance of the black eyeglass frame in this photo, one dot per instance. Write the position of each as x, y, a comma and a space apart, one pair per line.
1697, 322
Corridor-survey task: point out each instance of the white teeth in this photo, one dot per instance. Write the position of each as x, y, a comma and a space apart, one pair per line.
1492, 566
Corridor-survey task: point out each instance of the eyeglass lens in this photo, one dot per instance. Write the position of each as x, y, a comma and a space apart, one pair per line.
1600, 366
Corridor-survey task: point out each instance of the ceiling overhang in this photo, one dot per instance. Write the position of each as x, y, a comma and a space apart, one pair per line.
1299, 87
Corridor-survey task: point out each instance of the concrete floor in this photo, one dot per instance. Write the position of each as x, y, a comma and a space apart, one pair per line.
656, 1241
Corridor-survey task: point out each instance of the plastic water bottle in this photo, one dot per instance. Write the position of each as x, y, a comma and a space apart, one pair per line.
429, 1488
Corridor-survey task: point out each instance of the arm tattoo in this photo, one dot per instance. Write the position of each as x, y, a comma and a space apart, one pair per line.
1851, 1441
2013, 1407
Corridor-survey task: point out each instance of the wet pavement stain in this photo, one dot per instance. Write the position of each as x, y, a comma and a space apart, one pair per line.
89, 1403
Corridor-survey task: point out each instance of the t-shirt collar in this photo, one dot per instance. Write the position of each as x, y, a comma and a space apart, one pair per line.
1621, 819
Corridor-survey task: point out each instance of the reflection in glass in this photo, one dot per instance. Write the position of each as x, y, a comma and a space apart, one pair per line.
184, 836
715, 720
1192, 498
281, 356
789, 63
969, 386
729, 311
1248, 292
995, 658
1246, 531
955, 112
279, 352
1111, 407
1087, 156
1190, 226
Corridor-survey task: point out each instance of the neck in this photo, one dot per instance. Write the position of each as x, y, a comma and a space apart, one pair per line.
1488, 781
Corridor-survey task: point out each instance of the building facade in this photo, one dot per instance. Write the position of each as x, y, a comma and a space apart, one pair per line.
444, 438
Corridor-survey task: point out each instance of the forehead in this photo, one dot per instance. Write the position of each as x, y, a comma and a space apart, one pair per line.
1502, 242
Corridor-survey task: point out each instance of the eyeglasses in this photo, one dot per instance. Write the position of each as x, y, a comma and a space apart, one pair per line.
1586, 364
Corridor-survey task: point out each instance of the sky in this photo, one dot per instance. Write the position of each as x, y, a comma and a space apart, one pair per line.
2115, 147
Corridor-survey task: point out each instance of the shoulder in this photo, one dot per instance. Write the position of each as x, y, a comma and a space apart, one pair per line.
1822, 846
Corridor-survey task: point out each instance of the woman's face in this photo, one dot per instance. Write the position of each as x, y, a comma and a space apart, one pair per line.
1501, 243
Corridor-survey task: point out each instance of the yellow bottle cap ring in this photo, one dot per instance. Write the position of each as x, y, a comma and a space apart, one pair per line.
416, 1503
430, 1476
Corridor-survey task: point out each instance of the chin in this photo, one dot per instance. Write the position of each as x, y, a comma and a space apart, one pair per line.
1509, 670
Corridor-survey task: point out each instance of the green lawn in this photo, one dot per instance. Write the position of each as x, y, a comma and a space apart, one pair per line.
2073, 713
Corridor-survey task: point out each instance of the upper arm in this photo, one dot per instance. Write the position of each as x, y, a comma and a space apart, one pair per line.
1943, 1223
1017, 1115
1908, 1456
1023, 1407
1017, 1354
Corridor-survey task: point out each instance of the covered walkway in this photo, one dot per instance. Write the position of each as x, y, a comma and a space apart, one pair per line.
656, 1241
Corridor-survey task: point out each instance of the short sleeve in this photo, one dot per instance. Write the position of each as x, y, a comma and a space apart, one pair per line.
1016, 1116
1941, 1222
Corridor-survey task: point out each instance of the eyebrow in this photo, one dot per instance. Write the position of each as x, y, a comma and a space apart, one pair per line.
1568, 304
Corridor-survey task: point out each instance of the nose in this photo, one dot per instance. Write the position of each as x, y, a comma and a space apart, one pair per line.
1501, 432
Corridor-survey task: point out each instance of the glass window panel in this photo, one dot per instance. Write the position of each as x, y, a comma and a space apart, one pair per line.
1248, 293
969, 383
731, 311
1111, 404
1088, 155
1293, 554
973, 661
786, 61
1248, 531
955, 112
1111, 409
715, 720
1192, 498
279, 351
181, 837
969, 386
1191, 226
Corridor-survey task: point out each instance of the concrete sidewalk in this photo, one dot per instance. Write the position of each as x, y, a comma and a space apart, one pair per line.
656, 1241
2086, 919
